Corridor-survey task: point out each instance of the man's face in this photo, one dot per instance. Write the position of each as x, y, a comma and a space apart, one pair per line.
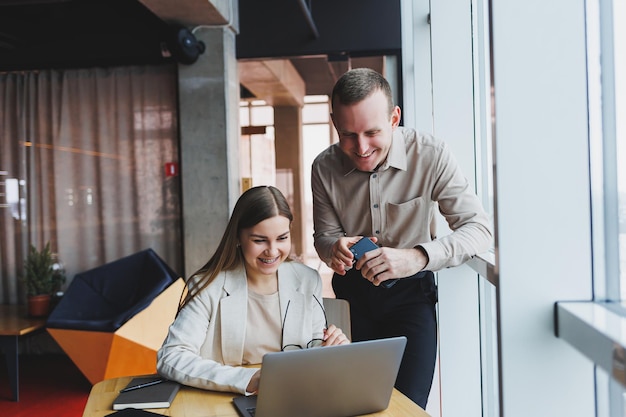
365, 130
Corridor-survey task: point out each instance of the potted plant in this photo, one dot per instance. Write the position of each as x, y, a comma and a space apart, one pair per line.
43, 277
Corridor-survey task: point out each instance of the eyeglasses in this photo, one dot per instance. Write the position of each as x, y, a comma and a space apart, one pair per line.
312, 343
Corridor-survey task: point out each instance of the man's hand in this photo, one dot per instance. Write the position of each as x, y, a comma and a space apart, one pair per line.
341, 258
388, 263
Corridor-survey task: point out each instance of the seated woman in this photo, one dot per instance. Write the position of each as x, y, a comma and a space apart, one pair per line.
245, 302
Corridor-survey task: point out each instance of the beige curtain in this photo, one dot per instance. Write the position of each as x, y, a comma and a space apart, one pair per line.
83, 165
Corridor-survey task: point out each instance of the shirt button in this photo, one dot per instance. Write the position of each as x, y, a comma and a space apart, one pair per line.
377, 232
375, 205
374, 176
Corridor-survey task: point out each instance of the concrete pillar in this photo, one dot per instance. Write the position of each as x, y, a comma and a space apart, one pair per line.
209, 135
289, 173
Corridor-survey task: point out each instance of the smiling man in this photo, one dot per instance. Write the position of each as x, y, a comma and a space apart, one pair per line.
385, 181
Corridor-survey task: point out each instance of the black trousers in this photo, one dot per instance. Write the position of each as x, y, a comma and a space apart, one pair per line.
406, 309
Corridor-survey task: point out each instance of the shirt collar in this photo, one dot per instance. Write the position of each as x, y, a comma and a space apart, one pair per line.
397, 152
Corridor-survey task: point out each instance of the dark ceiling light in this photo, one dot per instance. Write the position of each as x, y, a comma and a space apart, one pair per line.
183, 45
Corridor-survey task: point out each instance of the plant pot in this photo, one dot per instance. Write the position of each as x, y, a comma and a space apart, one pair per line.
39, 305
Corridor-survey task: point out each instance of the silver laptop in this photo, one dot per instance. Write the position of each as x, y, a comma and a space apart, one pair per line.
334, 381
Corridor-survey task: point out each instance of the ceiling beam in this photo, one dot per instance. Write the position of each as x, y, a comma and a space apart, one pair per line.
275, 81
196, 12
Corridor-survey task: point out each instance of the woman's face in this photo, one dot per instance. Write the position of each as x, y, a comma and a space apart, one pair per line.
265, 246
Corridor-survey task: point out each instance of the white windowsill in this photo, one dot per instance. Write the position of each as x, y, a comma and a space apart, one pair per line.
485, 265
597, 330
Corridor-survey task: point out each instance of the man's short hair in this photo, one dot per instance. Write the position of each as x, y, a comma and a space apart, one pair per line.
357, 84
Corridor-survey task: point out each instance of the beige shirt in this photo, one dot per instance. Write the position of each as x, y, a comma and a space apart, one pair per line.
263, 329
397, 202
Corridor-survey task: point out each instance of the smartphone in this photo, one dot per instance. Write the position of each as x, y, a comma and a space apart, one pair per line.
366, 245
362, 246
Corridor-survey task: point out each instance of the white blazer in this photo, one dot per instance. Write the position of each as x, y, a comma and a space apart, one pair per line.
205, 344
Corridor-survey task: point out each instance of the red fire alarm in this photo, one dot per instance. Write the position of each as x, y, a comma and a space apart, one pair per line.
171, 169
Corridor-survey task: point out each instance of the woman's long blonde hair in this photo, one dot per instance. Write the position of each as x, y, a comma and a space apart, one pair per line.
252, 207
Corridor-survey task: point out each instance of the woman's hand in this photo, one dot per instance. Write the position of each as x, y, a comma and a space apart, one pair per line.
334, 336
253, 385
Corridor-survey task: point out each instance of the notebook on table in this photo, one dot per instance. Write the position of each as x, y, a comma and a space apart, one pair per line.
159, 395
133, 412
334, 381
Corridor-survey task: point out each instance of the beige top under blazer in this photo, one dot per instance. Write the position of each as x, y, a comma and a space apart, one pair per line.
205, 344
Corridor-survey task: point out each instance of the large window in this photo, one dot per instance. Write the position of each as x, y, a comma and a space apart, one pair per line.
619, 53
256, 153
528, 100
606, 62
606, 56
483, 127
447, 92
602, 321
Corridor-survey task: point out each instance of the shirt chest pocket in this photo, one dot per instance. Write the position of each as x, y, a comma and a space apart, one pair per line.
408, 223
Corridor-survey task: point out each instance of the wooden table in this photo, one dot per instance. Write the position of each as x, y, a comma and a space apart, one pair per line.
14, 322
193, 402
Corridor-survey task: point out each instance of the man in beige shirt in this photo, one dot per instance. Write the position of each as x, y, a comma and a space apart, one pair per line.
385, 182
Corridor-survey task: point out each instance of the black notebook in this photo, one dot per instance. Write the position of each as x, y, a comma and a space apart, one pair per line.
132, 412
159, 395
